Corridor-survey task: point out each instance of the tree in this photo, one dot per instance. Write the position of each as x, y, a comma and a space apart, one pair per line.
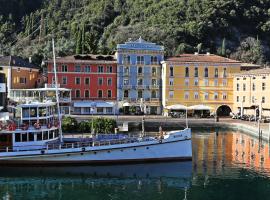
69, 124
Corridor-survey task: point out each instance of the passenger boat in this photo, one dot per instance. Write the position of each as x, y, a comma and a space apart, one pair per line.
34, 137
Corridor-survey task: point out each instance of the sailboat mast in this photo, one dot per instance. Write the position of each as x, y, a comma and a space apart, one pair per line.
57, 94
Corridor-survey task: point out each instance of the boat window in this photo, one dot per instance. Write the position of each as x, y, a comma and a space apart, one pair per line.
33, 112
24, 137
51, 135
17, 137
56, 133
45, 135
39, 136
31, 136
25, 112
3, 138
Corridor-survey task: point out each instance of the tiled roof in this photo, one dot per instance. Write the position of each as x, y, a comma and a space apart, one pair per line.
200, 58
85, 58
254, 72
16, 62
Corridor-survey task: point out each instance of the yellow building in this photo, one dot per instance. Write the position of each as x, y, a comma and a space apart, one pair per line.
252, 92
199, 79
20, 74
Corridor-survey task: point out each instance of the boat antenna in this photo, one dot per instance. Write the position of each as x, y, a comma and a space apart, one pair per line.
57, 93
186, 117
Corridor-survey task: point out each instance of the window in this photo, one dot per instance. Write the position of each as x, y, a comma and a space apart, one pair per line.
215, 96
206, 96
186, 82
216, 82
77, 81
187, 72
24, 137
126, 70
224, 96
109, 94
171, 71
87, 81
126, 82
263, 99
171, 94
154, 60
99, 110
87, 69
224, 82
244, 86
253, 86
140, 60
109, 69
18, 69
100, 69
253, 99
196, 82
206, 82
100, 81
186, 95
254, 78
126, 94
140, 71
22, 80
154, 71
64, 80
17, 137
100, 93
140, 94
237, 86
196, 72
154, 94
196, 95
64, 68
216, 72
237, 99
86, 94
263, 77
263, 86
77, 93
244, 99
78, 68
126, 59
171, 81
224, 73
109, 81
140, 81
206, 72
109, 110
154, 82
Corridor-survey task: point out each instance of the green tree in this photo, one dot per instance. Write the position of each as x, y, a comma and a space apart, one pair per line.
69, 124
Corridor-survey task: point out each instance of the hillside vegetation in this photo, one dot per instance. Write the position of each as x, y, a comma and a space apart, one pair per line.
238, 29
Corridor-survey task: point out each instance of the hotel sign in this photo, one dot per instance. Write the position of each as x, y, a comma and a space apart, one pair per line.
2, 87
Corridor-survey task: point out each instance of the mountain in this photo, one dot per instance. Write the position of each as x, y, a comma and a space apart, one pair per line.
234, 28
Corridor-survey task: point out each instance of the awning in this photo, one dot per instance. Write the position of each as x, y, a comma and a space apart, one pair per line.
126, 104
91, 104
200, 107
176, 107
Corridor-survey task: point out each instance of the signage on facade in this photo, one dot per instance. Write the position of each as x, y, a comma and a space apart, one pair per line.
2, 87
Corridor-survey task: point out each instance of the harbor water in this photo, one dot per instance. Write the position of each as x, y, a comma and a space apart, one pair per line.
226, 165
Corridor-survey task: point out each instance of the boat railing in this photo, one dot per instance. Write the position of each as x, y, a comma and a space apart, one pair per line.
54, 146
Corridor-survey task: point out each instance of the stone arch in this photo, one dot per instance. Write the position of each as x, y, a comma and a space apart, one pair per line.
224, 110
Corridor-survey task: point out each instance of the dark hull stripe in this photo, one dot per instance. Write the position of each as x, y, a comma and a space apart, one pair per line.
24, 163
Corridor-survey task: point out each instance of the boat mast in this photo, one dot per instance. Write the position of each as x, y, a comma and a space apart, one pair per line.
57, 93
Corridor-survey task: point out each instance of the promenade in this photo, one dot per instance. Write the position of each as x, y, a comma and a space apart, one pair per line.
152, 123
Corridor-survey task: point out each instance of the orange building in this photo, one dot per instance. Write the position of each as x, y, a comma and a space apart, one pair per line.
20, 74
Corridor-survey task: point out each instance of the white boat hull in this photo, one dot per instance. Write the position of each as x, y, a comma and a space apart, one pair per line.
174, 148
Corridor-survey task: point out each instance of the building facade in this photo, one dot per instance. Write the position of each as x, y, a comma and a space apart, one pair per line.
252, 92
199, 79
139, 76
92, 80
20, 74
